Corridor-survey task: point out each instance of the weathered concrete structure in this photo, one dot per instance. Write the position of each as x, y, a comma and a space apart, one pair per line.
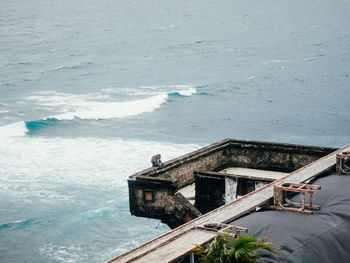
177, 245
214, 189
167, 192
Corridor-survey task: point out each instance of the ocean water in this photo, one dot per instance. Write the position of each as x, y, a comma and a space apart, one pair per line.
90, 90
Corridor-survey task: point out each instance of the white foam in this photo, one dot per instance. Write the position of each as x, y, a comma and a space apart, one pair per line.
42, 172
99, 105
275, 60
108, 110
62, 101
187, 92
19, 221
90, 106
69, 254
165, 89
13, 130
89, 162
96, 106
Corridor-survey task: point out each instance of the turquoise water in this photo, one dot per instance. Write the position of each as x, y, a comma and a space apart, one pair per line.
90, 90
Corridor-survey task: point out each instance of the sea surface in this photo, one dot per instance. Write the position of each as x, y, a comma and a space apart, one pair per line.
90, 90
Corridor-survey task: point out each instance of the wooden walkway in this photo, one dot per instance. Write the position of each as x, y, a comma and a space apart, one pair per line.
169, 252
154, 249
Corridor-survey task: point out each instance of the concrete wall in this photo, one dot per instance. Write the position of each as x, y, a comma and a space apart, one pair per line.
210, 192
270, 158
166, 180
167, 205
181, 169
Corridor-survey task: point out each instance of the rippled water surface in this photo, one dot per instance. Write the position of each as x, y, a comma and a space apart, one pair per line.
90, 90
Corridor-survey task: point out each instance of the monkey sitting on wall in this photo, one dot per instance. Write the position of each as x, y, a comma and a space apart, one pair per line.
156, 162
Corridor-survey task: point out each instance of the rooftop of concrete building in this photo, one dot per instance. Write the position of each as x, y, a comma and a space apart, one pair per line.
297, 236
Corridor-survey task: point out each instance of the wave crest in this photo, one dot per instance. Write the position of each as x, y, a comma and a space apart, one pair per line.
109, 110
18, 224
85, 107
183, 93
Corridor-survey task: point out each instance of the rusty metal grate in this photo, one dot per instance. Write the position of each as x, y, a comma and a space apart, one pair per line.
223, 229
343, 163
282, 202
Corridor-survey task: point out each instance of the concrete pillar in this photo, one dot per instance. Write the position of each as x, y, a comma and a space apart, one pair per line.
230, 189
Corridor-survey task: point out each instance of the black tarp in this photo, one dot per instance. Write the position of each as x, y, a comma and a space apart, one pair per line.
323, 236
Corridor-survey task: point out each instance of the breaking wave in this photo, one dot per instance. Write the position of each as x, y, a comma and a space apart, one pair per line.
17, 224
109, 110
87, 107
13, 130
183, 93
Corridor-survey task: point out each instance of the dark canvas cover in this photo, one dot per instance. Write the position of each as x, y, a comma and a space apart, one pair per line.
323, 236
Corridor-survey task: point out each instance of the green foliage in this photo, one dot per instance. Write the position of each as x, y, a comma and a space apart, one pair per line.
224, 249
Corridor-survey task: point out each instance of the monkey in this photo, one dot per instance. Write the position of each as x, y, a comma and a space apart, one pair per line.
156, 162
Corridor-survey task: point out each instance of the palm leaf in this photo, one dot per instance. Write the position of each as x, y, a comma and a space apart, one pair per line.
243, 250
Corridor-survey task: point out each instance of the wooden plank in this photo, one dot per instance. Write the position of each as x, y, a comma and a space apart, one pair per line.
178, 246
233, 210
